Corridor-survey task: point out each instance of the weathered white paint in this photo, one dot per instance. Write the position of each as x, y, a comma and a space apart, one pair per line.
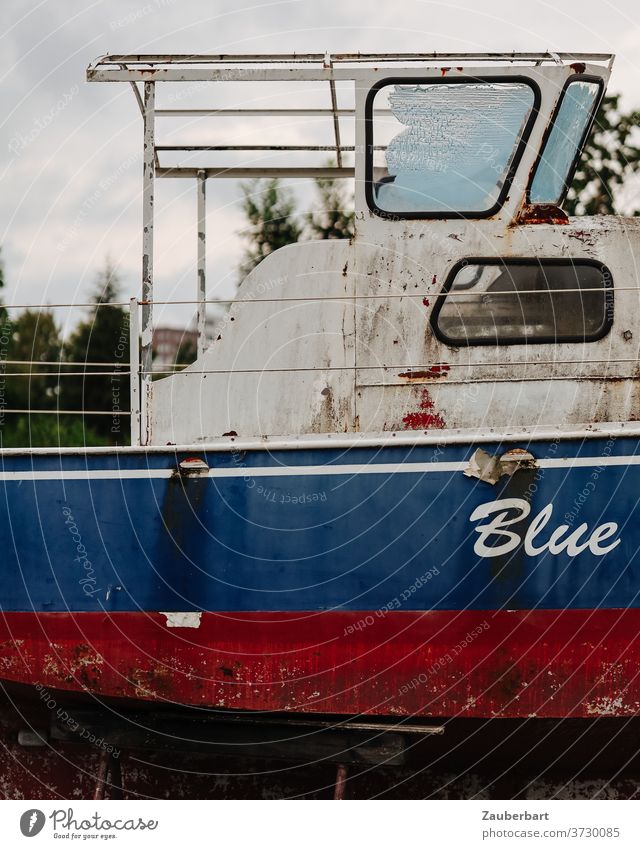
351, 356
330, 470
266, 334
510, 387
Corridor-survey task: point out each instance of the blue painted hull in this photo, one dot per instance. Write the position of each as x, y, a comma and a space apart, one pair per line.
301, 530
379, 581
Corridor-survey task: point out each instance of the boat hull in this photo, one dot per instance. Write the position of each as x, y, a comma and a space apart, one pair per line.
469, 664
369, 580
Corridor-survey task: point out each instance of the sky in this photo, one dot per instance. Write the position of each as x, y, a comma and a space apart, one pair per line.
70, 151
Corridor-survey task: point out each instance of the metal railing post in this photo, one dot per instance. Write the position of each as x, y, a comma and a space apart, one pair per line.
134, 370
201, 184
148, 175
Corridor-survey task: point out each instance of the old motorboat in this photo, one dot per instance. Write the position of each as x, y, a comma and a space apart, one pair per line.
401, 479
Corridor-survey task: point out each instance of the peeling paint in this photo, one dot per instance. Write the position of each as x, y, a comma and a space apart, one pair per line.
432, 371
182, 620
488, 468
423, 419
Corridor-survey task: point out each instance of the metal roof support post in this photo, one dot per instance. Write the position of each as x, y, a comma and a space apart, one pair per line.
334, 108
148, 175
201, 186
134, 370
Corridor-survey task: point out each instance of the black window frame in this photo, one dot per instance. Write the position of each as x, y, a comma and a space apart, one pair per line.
421, 80
574, 78
603, 331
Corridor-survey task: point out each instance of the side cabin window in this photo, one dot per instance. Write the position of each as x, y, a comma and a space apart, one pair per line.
569, 128
507, 302
439, 149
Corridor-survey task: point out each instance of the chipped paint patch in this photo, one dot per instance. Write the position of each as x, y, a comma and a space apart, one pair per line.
423, 418
542, 213
432, 371
488, 468
607, 706
182, 620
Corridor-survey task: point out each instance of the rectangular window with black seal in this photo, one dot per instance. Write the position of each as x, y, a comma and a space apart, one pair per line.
531, 301
439, 148
564, 141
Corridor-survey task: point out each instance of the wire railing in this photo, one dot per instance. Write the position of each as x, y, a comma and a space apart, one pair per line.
355, 296
140, 377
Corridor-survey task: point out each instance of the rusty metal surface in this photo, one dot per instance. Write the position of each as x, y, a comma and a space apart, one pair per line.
365, 343
527, 663
352, 365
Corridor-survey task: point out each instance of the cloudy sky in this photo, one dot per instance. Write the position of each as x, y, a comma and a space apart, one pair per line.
70, 151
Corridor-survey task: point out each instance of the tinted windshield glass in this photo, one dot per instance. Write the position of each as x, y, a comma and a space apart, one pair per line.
564, 141
526, 301
445, 147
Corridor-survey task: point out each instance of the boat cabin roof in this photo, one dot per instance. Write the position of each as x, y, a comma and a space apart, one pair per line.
433, 135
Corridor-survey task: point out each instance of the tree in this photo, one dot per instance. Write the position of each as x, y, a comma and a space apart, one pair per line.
3, 311
32, 363
609, 158
270, 211
331, 220
103, 339
34, 339
187, 353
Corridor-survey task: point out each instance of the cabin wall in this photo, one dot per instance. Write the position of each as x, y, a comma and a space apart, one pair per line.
277, 365
343, 365
485, 385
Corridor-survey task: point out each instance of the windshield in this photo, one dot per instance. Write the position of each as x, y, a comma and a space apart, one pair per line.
447, 147
564, 142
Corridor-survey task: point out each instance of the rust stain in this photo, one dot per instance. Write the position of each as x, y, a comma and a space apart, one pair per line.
444, 71
542, 213
432, 371
578, 67
156, 682
424, 418
425, 301
582, 236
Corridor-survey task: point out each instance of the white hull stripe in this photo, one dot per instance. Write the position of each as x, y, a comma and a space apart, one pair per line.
303, 471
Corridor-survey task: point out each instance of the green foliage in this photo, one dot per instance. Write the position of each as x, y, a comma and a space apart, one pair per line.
187, 352
270, 212
610, 157
33, 340
47, 431
331, 219
102, 338
271, 216
3, 312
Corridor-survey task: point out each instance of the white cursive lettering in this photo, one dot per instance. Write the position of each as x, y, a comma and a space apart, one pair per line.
557, 542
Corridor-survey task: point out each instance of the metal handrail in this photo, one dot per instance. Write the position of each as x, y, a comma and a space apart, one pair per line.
175, 368
121, 373
337, 58
31, 411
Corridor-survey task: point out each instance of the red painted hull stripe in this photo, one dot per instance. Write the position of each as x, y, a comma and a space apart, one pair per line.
438, 663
